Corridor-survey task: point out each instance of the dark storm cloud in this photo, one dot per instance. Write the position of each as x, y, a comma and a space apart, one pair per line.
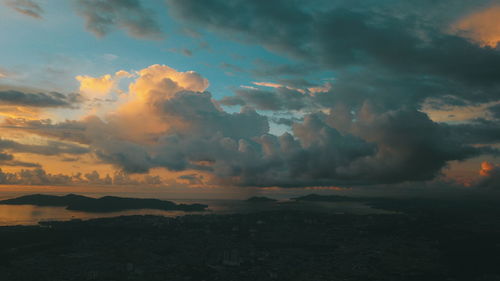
204, 117
277, 99
286, 121
478, 131
52, 99
369, 148
401, 39
410, 146
26, 7
495, 111
102, 16
268, 70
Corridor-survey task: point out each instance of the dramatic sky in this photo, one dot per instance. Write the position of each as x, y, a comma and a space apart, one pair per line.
255, 94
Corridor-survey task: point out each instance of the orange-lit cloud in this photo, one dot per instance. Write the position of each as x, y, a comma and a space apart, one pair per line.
168, 121
98, 87
456, 113
320, 89
317, 89
490, 176
268, 84
20, 112
482, 26
487, 168
167, 80
137, 119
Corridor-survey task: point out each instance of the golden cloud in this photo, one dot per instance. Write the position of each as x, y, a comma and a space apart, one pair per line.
99, 87
482, 27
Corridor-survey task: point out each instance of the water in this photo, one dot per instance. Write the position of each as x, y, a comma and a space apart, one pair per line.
32, 215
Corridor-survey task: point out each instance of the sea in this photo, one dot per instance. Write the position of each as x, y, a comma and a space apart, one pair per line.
32, 215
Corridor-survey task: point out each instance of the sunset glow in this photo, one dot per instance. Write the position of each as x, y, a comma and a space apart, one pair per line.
158, 96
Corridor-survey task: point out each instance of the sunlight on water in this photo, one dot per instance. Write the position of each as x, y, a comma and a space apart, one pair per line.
29, 215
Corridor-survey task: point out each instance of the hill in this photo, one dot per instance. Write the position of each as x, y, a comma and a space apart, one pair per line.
103, 204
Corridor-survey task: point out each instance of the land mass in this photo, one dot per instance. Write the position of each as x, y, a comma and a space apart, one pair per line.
104, 204
426, 240
326, 198
260, 199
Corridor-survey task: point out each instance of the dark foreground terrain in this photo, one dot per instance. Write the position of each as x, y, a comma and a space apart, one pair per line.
427, 241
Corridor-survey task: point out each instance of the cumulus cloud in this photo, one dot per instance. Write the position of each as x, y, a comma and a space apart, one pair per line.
93, 87
102, 16
26, 7
169, 120
99, 87
39, 176
392, 64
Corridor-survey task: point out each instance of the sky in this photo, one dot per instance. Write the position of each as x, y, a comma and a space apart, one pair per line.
214, 96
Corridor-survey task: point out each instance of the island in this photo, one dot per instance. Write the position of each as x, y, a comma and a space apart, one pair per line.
75, 202
260, 199
325, 198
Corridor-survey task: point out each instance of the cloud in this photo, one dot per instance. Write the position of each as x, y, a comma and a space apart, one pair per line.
281, 98
26, 7
476, 131
39, 176
272, 70
52, 99
490, 176
74, 131
183, 51
379, 45
192, 179
99, 87
169, 120
410, 146
4, 73
495, 111
101, 17
51, 148
482, 27
8, 160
